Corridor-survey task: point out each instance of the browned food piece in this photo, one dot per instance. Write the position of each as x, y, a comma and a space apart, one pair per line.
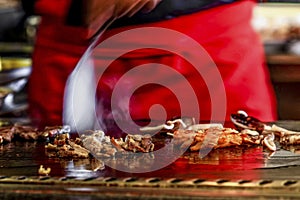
218, 138
78, 150
147, 144
228, 139
214, 138
185, 138
132, 143
117, 143
6, 134
43, 171
63, 147
18, 131
290, 139
98, 144
268, 141
135, 143
251, 139
53, 131
70, 150
104, 146
25, 132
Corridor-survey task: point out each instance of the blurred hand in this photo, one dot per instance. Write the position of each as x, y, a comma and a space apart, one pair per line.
106, 9
97, 12
150, 5
130, 7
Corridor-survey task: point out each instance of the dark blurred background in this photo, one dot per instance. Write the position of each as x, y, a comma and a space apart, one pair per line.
18, 26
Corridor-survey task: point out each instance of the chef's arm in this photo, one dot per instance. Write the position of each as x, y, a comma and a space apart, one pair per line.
89, 12
96, 14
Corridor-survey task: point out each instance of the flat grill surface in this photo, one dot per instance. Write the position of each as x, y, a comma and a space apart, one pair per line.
25, 158
230, 172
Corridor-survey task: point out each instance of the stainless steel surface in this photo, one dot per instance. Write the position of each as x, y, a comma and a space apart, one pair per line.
9, 105
14, 74
11, 75
282, 158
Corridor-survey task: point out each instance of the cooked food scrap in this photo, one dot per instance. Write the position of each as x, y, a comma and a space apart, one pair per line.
291, 139
134, 143
268, 134
8, 133
43, 171
249, 132
104, 146
171, 125
52, 131
63, 147
214, 138
98, 144
29, 133
26, 132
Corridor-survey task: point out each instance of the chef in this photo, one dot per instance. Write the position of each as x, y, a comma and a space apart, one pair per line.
222, 28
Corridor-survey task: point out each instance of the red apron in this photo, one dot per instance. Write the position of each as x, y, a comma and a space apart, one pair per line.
224, 32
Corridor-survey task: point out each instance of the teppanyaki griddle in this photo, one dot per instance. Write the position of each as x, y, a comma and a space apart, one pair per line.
229, 173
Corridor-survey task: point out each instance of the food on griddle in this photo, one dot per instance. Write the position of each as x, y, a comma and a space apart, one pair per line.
43, 171
249, 132
63, 147
194, 137
269, 142
58, 136
269, 134
98, 144
135, 143
60, 145
290, 139
105, 147
8, 133
242, 121
28, 133
170, 125
215, 138
51, 132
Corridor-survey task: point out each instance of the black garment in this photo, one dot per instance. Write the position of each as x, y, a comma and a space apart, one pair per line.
168, 9
28, 6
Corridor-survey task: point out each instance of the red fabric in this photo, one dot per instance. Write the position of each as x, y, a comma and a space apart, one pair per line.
224, 32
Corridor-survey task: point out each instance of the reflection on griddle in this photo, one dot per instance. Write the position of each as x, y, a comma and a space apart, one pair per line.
293, 148
238, 158
83, 168
24, 159
131, 161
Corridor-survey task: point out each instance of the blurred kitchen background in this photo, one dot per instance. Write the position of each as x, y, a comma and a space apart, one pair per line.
17, 34
277, 22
